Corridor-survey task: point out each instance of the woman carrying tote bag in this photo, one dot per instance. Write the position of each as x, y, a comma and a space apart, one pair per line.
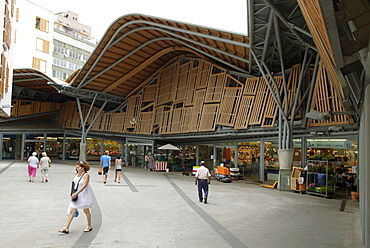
84, 199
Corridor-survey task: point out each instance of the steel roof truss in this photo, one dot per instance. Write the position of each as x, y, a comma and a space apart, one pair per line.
185, 44
88, 94
148, 42
36, 95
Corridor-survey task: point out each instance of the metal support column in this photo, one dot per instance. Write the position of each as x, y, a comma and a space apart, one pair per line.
64, 147
45, 142
122, 151
236, 162
1, 145
262, 160
304, 149
126, 150
85, 126
102, 147
197, 155
22, 147
214, 156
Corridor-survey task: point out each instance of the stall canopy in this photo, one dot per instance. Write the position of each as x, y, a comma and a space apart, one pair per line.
168, 147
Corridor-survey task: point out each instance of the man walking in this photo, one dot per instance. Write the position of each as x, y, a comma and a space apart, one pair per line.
202, 179
105, 161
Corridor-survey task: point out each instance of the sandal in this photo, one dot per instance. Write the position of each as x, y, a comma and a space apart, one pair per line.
88, 229
63, 230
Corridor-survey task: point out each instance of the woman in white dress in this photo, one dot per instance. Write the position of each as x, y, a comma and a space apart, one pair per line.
44, 167
84, 200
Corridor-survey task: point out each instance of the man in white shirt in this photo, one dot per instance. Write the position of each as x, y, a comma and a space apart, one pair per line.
202, 179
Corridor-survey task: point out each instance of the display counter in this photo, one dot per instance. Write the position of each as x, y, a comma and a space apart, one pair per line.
160, 166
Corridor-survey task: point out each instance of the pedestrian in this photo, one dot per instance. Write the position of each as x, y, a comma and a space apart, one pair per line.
118, 169
146, 161
33, 162
151, 163
337, 162
203, 179
83, 195
44, 167
105, 161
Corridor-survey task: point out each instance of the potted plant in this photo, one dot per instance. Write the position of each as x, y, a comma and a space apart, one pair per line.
355, 194
330, 170
311, 187
321, 169
330, 191
331, 181
311, 167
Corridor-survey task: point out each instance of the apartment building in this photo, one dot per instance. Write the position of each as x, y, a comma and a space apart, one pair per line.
6, 66
53, 43
72, 44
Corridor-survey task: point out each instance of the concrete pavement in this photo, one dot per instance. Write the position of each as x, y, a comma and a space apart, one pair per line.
159, 209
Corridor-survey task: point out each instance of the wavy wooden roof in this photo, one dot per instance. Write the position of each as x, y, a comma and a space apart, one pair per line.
136, 46
32, 84
33, 79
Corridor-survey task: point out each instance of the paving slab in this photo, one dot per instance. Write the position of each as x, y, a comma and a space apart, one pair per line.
161, 209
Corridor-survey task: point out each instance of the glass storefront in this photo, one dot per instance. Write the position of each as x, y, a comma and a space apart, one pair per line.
297, 157
33, 143
136, 151
9, 147
189, 157
72, 149
206, 154
271, 164
225, 153
339, 152
135, 156
93, 148
249, 160
254, 165
54, 147
190, 154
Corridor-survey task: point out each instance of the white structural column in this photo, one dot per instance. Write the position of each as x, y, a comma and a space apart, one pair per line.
364, 151
285, 160
365, 173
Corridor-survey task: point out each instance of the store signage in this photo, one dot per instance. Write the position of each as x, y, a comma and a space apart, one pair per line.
340, 144
347, 144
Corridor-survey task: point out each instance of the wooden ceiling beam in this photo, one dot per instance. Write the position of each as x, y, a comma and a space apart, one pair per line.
141, 67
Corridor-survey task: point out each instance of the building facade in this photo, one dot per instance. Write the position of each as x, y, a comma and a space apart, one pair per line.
72, 45
34, 37
54, 44
6, 50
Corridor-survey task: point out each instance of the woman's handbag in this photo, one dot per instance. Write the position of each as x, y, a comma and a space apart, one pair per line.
74, 190
100, 171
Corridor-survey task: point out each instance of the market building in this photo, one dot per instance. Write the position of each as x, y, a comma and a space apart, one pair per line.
294, 88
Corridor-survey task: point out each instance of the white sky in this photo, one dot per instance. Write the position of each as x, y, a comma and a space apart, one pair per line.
228, 15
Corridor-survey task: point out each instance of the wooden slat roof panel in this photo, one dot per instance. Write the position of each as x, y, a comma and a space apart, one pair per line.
34, 80
136, 46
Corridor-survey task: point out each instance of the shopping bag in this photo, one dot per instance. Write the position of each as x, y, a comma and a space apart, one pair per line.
69, 211
100, 171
